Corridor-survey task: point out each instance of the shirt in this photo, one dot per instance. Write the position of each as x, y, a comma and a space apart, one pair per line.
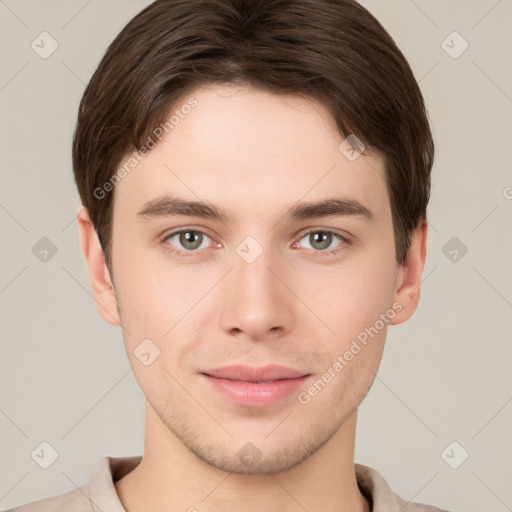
99, 495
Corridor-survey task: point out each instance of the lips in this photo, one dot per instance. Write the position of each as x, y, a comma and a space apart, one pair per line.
256, 387
247, 374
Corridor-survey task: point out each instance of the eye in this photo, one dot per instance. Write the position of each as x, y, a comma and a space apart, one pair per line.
321, 242
189, 242
186, 242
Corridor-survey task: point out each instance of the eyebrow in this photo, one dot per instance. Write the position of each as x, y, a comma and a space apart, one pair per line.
168, 206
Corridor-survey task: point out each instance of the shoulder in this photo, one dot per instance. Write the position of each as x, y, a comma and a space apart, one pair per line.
378, 493
73, 501
99, 494
419, 507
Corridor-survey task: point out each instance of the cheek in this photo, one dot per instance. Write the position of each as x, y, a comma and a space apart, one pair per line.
357, 307
346, 379
153, 300
165, 317
350, 298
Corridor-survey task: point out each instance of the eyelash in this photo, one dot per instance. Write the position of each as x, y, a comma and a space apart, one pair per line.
316, 253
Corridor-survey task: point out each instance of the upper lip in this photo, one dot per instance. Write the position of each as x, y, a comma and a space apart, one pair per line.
244, 373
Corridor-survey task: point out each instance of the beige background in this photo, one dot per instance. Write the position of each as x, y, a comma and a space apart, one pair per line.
445, 376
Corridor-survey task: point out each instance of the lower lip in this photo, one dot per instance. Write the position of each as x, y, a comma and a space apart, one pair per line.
256, 393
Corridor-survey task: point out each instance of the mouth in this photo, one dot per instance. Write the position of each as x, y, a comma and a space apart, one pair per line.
255, 387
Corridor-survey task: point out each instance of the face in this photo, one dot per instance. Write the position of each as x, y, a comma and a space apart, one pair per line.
271, 298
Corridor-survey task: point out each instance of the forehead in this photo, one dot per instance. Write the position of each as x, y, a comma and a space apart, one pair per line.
250, 149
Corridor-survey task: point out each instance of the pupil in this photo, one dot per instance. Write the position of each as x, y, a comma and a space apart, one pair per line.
322, 239
190, 237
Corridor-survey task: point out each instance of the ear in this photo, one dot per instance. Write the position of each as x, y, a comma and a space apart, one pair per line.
408, 283
99, 275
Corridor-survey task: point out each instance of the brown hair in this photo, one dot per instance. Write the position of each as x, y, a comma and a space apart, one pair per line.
333, 51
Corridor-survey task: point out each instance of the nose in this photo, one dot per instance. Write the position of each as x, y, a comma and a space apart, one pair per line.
256, 304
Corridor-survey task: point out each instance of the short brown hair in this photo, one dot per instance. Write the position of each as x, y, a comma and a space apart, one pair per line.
333, 51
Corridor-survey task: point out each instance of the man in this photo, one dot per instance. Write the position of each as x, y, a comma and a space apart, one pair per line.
254, 178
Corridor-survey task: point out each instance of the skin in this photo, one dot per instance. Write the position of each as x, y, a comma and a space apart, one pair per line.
254, 154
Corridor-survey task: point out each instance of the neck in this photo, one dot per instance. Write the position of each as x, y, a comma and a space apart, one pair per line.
170, 477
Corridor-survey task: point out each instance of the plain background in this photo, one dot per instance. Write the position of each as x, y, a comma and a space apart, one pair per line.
445, 375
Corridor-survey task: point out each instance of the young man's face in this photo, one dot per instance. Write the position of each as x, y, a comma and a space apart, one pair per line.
255, 289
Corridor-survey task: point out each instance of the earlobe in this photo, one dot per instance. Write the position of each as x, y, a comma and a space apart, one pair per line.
408, 282
99, 275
